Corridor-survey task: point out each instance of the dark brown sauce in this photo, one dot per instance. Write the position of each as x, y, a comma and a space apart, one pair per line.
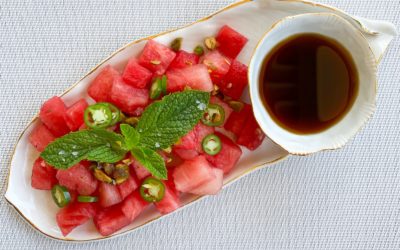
308, 82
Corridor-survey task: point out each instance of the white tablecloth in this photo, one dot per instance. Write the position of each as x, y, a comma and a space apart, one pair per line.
344, 199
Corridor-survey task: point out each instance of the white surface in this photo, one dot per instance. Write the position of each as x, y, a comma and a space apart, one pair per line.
346, 199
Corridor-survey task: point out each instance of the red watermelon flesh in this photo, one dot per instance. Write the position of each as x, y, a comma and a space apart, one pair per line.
217, 65
127, 186
156, 57
75, 113
195, 77
140, 171
237, 120
228, 110
186, 154
212, 186
108, 195
183, 59
229, 155
251, 136
40, 137
195, 173
128, 98
52, 115
230, 42
235, 81
111, 219
43, 175
136, 75
78, 178
100, 88
170, 202
73, 215
133, 205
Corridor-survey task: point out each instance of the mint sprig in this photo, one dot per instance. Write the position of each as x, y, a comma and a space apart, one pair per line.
161, 125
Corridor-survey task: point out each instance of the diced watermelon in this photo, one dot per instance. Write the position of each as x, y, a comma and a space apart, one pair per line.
43, 175
110, 220
183, 59
170, 182
128, 98
237, 120
127, 186
108, 195
73, 215
78, 178
140, 171
191, 144
74, 115
170, 201
230, 42
211, 187
156, 57
195, 77
100, 88
40, 137
251, 136
133, 205
229, 155
186, 154
228, 110
52, 115
217, 64
196, 173
136, 75
235, 81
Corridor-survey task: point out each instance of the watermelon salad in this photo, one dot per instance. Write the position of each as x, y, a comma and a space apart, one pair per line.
114, 189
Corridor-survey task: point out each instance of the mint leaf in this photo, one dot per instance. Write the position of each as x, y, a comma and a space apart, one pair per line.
165, 121
96, 145
151, 160
131, 136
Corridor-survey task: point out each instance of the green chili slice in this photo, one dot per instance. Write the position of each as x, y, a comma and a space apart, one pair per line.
98, 115
152, 190
214, 115
164, 84
212, 144
115, 114
60, 195
87, 198
155, 89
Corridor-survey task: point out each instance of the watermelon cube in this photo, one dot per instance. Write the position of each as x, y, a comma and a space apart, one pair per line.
75, 113
109, 220
140, 171
228, 110
128, 98
108, 195
136, 75
195, 77
156, 57
183, 59
197, 176
237, 120
73, 215
190, 145
229, 155
211, 187
251, 136
78, 178
52, 115
235, 81
133, 205
43, 175
128, 186
100, 88
40, 137
217, 64
170, 201
230, 42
